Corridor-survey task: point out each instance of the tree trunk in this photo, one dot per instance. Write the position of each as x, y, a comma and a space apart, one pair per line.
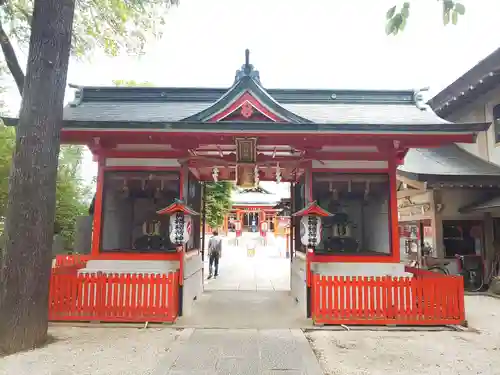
26, 260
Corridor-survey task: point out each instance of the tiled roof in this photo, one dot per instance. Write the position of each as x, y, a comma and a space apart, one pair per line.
364, 113
132, 112
295, 106
447, 163
248, 198
480, 79
484, 205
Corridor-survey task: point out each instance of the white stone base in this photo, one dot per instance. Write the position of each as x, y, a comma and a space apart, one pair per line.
193, 283
130, 266
360, 269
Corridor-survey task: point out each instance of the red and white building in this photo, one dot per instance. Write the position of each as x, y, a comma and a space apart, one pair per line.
339, 149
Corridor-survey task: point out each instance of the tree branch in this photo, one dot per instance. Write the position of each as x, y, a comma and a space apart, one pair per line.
11, 59
25, 14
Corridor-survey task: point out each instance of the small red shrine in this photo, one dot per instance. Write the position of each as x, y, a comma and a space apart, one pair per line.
251, 208
337, 148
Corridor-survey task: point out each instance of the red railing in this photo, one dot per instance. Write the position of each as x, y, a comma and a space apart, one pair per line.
71, 260
114, 298
420, 300
69, 264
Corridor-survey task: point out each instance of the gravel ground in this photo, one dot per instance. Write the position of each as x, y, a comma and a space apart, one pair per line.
416, 353
127, 351
94, 351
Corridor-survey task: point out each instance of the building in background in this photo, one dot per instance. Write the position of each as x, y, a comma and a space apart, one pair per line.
449, 196
251, 207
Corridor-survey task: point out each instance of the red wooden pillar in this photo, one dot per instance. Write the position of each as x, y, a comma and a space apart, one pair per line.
309, 185
225, 224
393, 210
183, 183
291, 249
97, 220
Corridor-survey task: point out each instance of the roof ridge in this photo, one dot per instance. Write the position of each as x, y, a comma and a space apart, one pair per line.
247, 84
212, 94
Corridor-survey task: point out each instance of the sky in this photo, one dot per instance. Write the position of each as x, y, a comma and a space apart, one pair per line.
338, 44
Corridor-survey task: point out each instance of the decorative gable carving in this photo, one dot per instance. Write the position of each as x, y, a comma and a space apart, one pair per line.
247, 100
246, 108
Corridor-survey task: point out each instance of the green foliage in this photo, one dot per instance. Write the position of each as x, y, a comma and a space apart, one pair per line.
397, 17
113, 25
72, 195
7, 144
218, 201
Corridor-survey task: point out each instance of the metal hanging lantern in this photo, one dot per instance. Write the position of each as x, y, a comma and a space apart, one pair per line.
311, 227
181, 222
278, 173
215, 174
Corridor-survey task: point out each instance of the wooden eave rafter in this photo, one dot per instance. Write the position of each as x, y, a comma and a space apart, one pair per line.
423, 207
415, 184
267, 160
135, 176
350, 178
410, 133
228, 152
408, 193
465, 185
466, 95
269, 134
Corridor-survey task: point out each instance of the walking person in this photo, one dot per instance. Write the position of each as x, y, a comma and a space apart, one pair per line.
214, 254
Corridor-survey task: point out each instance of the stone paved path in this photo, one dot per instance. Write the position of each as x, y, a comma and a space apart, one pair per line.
250, 292
266, 271
246, 322
245, 309
241, 352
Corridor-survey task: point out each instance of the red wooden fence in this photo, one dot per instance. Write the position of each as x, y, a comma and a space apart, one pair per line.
113, 298
422, 300
71, 260
69, 264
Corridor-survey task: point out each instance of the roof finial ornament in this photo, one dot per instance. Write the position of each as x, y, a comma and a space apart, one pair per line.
419, 98
247, 58
247, 69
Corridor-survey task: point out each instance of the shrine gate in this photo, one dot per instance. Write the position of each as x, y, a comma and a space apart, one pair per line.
338, 149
